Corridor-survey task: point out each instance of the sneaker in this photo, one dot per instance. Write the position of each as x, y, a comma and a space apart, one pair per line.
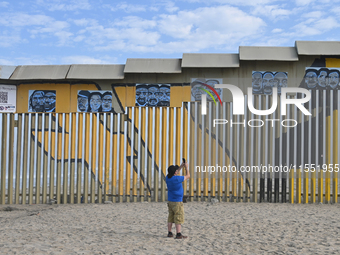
170, 234
180, 236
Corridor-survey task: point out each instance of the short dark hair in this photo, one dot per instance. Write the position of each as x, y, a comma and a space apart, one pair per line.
171, 170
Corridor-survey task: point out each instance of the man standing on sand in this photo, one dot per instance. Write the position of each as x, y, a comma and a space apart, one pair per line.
175, 197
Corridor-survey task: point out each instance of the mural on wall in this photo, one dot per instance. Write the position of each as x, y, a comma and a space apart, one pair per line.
152, 95
41, 100
8, 97
321, 78
263, 82
201, 86
94, 101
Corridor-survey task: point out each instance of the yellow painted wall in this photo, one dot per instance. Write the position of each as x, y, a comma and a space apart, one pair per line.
62, 95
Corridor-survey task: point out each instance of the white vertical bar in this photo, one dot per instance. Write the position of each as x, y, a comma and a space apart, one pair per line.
21, 150
125, 148
62, 151
111, 148
104, 175
331, 137
42, 172
139, 149
15, 155
146, 151
252, 184
231, 151
209, 142
160, 143
82, 174
259, 147
317, 139
245, 149
217, 116
28, 154
97, 156
89, 174
181, 136
56, 153
167, 138
69, 150
288, 149
1, 121
49, 153
153, 161
35, 153
118, 145
132, 140
266, 140
174, 140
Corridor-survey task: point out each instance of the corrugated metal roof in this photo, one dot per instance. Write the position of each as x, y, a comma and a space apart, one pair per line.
48, 72
96, 72
152, 65
6, 71
317, 48
268, 53
210, 60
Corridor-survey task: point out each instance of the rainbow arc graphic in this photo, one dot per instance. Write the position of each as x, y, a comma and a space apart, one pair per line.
204, 97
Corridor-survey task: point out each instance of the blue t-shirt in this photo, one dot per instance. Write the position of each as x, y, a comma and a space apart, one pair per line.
175, 188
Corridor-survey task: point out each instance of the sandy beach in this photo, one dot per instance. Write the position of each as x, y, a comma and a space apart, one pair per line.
140, 228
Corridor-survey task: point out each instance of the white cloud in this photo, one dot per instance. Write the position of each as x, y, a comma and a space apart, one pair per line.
313, 15
36, 25
4, 4
128, 8
65, 5
237, 3
277, 30
87, 60
312, 27
303, 2
188, 31
272, 11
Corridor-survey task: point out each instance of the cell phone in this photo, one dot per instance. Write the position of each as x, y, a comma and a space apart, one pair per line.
183, 160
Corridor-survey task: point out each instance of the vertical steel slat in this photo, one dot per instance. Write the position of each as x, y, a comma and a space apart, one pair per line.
132, 143
162, 195
139, 149
174, 140
110, 160
271, 174
181, 147
146, 156
238, 156
104, 167
191, 169
43, 160
194, 163
287, 149
253, 184
302, 172
209, 152
69, 160
124, 153
89, 174
49, 157
330, 174
313, 186
324, 127
245, 150
35, 177
202, 151
167, 139
97, 170
56, 168
22, 151
259, 146
217, 154
2, 175
295, 157
153, 159
338, 151
81, 171
118, 154
62, 163
9, 169
317, 145
29, 168
76, 169
15, 158
41, 170
231, 152
266, 145
280, 160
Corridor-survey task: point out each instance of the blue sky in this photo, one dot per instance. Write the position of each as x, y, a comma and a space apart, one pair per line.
46, 32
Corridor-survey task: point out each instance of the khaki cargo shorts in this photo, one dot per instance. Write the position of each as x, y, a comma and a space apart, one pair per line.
176, 212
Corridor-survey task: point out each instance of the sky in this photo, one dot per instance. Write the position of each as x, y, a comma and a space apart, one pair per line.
46, 32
